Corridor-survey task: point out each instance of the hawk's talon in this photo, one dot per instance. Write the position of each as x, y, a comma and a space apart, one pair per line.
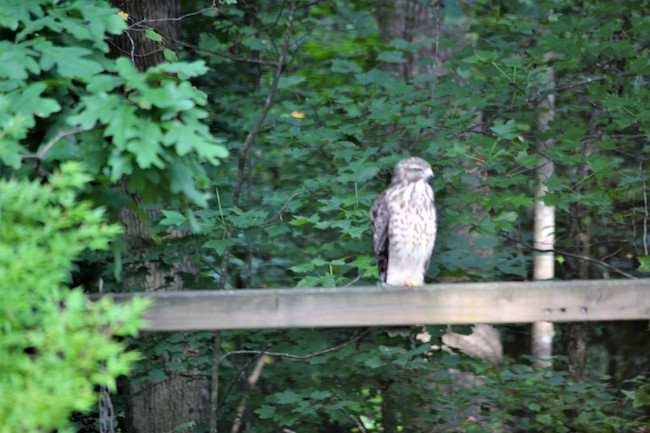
411, 283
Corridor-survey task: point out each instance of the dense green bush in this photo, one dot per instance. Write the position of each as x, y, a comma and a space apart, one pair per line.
55, 344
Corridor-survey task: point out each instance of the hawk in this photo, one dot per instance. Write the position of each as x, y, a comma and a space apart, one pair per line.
403, 220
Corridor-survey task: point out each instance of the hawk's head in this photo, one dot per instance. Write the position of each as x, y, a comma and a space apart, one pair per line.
412, 170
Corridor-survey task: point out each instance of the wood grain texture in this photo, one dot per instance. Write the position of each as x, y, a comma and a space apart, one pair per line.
464, 303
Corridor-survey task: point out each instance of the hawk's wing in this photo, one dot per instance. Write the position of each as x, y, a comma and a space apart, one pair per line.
434, 227
379, 219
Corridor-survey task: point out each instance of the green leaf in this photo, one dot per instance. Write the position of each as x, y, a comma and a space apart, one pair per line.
544, 419
391, 57
265, 411
70, 61
287, 397
173, 218
506, 131
320, 395
374, 76
374, 363
147, 149
344, 66
644, 263
10, 151
157, 375
103, 83
381, 111
150, 34
16, 61
181, 179
299, 220
602, 166
218, 245
170, 55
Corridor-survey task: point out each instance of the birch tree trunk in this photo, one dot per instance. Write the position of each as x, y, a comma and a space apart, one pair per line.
544, 225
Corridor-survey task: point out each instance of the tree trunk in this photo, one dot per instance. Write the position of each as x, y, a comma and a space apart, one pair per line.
574, 335
143, 15
179, 399
413, 20
408, 20
544, 226
389, 422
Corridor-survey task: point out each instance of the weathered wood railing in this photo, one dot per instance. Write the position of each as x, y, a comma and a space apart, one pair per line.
462, 303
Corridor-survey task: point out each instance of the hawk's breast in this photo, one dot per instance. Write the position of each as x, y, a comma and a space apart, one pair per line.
412, 232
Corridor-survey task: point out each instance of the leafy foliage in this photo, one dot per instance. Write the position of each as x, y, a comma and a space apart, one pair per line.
359, 119
340, 122
63, 99
351, 101
52, 339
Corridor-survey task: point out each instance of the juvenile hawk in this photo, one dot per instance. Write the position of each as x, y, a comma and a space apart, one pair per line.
403, 220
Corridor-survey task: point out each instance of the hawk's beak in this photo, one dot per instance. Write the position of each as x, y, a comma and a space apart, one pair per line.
430, 176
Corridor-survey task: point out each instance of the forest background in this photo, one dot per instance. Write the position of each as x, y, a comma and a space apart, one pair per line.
153, 145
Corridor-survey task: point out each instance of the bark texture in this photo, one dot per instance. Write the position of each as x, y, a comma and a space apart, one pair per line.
143, 15
574, 335
414, 21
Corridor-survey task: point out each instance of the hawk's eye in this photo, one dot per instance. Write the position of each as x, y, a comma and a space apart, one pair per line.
416, 170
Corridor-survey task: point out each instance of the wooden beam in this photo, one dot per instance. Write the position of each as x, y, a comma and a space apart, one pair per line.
463, 303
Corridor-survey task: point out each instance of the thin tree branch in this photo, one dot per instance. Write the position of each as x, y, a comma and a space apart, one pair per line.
50, 144
612, 254
243, 150
132, 53
357, 278
585, 82
182, 17
218, 360
566, 253
296, 357
223, 54
226, 55
251, 382
280, 211
141, 25
359, 423
238, 373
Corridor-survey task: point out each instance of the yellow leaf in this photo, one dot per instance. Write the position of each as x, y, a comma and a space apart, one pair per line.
123, 15
298, 115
